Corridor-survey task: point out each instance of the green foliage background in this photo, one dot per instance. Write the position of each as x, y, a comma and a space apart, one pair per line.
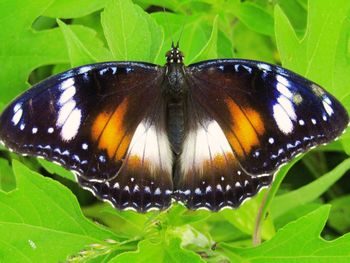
46, 217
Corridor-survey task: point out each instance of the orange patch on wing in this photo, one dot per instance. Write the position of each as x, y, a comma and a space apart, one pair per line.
109, 131
247, 125
135, 162
123, 147
235, 144
220, 161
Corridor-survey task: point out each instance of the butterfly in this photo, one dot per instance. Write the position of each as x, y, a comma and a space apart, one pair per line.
138, 135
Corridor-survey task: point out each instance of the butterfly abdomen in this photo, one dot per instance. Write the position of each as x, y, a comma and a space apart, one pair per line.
176, 125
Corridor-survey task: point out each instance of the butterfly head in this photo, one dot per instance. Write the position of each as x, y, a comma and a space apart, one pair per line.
174, 55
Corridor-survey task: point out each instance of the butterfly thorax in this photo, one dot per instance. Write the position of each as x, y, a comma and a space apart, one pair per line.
175, 75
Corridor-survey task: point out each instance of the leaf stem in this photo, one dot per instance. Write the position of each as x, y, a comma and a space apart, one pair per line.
259, 220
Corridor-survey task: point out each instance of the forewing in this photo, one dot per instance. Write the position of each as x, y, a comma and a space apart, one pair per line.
268, 114
86, 119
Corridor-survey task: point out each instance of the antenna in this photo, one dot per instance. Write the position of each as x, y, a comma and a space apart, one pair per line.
168, 27
182, 30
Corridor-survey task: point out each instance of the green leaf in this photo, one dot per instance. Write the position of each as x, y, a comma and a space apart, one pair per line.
43, 23
303, 3
124, 223
193, 29
244, 218
251, 45
316, 54
278, 178
193, 33
222, 231
59, 68
308, 192
53, 168
127, 28
345, 139
296, 13
73, 9
165, 251
92, 21
341, 75
210, 50
78, 53
47, 219
261, 221
299, 241
296, 213
179, 215
19, 53
256, 18
339, 219
157, 36
83, 47
7, 178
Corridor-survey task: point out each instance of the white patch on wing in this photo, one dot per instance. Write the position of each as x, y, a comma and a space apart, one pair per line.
288, 107
282, 119
152, 146
203, 144
67, 95
283, 80
327, 108
217, 139
71, 126
264, 66
18, 112
67, 83
84, 69
17, 107
284, 90
327, 100
249, 69
64, 112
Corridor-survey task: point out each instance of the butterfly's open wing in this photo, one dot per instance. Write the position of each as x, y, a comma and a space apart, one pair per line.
250, 118
267, 113
103, 122
208, 174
